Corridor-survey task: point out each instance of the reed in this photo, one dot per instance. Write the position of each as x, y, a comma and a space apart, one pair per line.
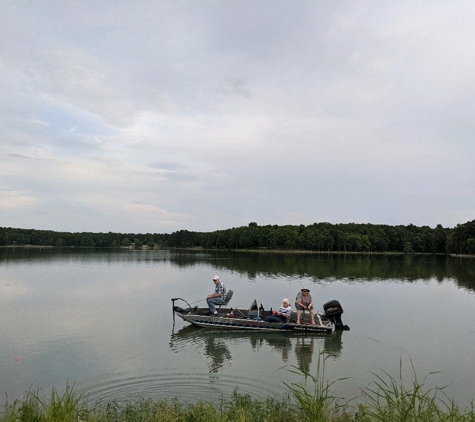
73, 407
310, 399
392, 401
59, 407
313, 396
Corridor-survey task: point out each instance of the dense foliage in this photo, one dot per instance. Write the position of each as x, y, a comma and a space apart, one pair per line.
461, 240
350, 237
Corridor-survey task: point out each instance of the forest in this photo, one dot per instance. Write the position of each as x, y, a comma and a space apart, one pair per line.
323, 237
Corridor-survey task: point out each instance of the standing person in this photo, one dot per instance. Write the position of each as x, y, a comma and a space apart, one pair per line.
282, 314
303, 302
218, 297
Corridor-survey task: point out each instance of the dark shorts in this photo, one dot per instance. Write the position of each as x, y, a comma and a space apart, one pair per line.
300, 308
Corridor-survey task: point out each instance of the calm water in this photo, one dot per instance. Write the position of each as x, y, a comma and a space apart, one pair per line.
103, 320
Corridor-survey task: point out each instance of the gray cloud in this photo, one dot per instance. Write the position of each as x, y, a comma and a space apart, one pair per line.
160, 116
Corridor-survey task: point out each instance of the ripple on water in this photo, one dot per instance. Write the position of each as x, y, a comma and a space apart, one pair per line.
189, 387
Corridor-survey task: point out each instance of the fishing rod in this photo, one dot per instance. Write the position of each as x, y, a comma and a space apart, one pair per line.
197, 301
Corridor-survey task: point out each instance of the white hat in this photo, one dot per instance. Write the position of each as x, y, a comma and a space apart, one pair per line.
215, 278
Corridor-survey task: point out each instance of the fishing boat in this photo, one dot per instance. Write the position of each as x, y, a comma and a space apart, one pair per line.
253, 318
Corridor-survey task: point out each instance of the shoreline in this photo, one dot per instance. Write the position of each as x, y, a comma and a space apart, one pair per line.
260, 250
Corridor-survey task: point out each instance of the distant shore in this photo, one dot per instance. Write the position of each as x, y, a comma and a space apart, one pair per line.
260, 250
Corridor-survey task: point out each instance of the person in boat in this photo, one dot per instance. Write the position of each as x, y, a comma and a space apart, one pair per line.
304, 302
282, 315
218, 297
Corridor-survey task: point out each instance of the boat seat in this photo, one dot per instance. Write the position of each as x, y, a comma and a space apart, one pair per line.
229, 295
256, 309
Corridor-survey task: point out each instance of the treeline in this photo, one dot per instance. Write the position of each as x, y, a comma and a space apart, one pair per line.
327, 237
13, 236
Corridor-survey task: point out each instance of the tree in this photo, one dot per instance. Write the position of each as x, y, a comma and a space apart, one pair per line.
458, 239
125, 242
471, 246
3, 237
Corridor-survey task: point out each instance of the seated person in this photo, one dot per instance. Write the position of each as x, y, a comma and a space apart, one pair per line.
303, 302
282, 315
218, 297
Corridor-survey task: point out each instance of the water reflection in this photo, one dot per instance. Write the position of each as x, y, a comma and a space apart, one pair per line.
217, 345
281, 343
334, 344
305, 347
217, 351
369, 267
112, 309
304, 352
352, 266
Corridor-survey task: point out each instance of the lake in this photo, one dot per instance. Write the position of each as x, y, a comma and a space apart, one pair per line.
102, 320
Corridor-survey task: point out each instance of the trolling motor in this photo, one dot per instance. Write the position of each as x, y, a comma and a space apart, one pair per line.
333, 311
178, 308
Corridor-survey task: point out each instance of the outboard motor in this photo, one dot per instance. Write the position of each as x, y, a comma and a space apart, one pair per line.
333, 311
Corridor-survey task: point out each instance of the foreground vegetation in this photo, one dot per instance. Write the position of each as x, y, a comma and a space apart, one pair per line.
308, 400
315, 237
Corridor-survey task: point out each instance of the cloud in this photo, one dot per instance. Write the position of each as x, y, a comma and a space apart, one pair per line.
211, 115
13, 200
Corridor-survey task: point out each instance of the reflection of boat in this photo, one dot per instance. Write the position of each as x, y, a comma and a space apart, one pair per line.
218, 348
191, 334
194, 334
334, 344
253, 319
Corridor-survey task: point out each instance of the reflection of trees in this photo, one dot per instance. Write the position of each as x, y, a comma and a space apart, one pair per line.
339, 266
368, 267
463, 271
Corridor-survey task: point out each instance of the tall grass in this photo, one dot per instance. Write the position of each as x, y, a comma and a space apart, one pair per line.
391, 400
72, 406
310, 399
313, 396
59, 407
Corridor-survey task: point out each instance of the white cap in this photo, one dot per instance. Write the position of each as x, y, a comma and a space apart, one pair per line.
215, 278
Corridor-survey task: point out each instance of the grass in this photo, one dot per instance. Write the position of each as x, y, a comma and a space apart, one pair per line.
391, 400
313, 396
310, 399
59, 407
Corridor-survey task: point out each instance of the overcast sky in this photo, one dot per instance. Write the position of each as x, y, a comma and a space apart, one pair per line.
156, 116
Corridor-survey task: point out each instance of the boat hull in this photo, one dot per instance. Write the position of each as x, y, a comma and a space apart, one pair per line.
255, 324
